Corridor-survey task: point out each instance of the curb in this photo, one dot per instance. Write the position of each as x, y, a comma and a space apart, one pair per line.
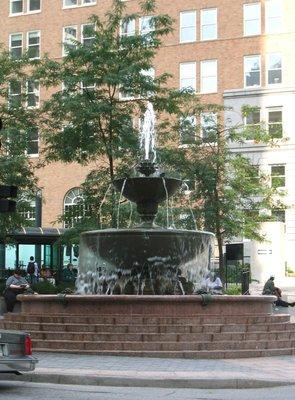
175, 383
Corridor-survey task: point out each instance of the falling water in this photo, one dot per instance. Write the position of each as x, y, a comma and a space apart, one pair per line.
102, 202
121, 194
167, 200
147, 134
130, 215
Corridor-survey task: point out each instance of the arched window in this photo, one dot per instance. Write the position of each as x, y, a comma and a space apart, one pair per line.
74, 207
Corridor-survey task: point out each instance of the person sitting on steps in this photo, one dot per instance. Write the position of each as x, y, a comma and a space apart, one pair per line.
270, 289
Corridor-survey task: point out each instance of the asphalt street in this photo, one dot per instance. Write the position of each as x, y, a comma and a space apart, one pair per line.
37, 391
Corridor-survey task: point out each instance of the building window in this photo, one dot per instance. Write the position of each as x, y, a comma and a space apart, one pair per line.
252, 19
127, 28
87, 34
209, 24
86, 2
252, 71
16, 45
74, 207
69, 39
28, 212
33, 142
15, 94
187, 72
187, 26
253, 118
33, 94
146, 25
34, 44
252, 124
273, 16
70, 3
34, 5
278, 178
274, 68
279, 215
16, 6
275, 123
187, 130
209, 127
209, 76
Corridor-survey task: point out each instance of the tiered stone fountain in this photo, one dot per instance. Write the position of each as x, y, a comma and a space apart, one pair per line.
137, 291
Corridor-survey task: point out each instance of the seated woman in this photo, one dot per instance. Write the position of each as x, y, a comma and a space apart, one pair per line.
15, 284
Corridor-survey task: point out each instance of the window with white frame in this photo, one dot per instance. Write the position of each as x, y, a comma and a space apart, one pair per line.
15, 94
209, 76
273, 16
252, 123
252, 19
34, 5
275, 122
278, 178
209, 126
87, 34
274, 68
87, 85
209, 24
146, 25
70, 35
70, 3
33, 94
29, 212
16, 45
187, 76
33, 142
74, 207
127, 28
187, 130
78, 3
252, 71
16, 6
87, 2
34, 44
187, 26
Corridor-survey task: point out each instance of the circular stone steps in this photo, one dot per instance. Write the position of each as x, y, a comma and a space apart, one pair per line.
195, 336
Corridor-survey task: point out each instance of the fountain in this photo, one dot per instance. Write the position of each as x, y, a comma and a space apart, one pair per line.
136, 290
146, 259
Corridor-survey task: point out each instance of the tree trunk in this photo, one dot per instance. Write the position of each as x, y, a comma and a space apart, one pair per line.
220, 253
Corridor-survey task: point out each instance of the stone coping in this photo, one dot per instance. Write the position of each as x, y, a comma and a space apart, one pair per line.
145, 298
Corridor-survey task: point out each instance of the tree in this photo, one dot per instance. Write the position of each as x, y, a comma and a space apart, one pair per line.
19, 124
101, 85
230, 195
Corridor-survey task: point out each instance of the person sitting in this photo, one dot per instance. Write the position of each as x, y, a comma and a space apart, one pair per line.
212, 284
269, 289
15, 284
68, 273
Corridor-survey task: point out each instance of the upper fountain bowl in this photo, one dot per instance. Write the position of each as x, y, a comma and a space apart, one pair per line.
147, 189
147, 193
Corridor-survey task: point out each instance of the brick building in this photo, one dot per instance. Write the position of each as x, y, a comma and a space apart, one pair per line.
231, 52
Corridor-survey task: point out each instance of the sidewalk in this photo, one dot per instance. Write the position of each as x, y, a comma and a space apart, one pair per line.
160, 372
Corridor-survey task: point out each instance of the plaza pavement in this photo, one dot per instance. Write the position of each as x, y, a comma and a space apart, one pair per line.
77, 369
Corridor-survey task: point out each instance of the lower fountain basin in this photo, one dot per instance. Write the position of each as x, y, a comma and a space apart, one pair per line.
143, 261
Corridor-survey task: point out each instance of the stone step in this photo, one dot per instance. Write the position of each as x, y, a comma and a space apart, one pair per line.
62, 345
206, 328
180, 354
161, 337
149, 320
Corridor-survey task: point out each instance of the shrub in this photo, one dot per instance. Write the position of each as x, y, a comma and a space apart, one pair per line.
233, 290
65, 287
44, 287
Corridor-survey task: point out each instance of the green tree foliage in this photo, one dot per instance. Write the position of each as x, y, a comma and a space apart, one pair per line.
101, 85
18, 125
230, 196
